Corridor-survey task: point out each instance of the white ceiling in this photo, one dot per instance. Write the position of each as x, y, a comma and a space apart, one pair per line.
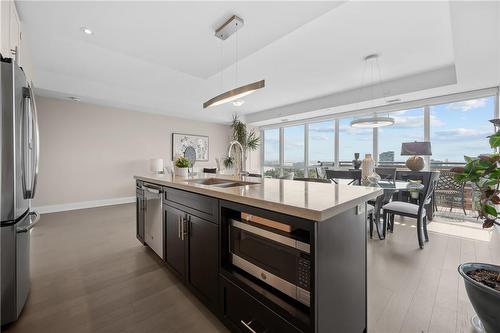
162, 57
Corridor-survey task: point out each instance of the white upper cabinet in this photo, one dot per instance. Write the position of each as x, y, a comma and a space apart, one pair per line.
12, 43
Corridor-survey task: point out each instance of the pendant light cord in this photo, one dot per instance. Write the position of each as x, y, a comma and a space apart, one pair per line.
237, 58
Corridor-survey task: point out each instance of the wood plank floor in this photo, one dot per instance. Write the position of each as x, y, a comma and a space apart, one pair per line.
90, 274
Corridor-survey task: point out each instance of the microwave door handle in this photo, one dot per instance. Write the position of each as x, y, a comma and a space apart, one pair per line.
36, 140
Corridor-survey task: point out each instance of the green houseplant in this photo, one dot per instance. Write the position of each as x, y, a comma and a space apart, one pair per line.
482, 281
181, 166
248, 140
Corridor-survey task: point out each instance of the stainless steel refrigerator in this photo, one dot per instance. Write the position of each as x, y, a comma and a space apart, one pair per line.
18, 172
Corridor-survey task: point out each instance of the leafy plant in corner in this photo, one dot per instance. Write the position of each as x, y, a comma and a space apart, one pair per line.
248, 140
484, 173
182, 162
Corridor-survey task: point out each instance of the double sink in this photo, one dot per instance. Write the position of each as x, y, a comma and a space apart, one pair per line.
220, 182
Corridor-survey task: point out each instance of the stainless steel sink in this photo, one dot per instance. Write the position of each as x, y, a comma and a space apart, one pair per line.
220, 182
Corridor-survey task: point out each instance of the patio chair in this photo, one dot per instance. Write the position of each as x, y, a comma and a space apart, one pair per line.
320, 172
408, 209
449, 191
354, 175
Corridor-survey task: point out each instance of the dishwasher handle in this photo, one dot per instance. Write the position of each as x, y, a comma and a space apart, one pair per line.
152, 190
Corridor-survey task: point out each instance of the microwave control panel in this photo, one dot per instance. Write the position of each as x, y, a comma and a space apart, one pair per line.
304, 273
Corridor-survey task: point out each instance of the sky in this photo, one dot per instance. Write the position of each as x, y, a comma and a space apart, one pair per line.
457, 129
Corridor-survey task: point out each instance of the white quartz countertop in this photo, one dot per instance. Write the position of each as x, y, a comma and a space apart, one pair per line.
308, 200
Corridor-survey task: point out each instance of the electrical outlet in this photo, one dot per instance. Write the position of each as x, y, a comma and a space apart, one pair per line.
360, 209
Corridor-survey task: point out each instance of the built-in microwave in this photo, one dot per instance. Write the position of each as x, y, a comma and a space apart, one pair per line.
274, 258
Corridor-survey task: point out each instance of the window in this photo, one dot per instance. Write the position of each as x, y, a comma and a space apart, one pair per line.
408, 127
272, 147
461, 128
293, 150
353, 140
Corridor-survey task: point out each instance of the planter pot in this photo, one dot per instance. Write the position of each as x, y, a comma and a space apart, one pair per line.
485, 300
182, 172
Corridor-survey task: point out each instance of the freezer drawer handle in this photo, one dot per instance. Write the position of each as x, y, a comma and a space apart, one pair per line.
247, 326
32, 224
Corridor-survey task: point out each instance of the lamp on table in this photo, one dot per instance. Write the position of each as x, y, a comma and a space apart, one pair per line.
415, 150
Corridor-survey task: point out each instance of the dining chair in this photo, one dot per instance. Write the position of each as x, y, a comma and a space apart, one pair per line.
315, 180
408, 209
386, 173
354, 175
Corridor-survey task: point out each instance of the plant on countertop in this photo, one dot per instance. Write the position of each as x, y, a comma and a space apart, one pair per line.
182, 162
248, 140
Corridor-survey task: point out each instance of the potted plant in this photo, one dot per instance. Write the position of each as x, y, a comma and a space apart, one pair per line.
248, 140
181, 166
482, 281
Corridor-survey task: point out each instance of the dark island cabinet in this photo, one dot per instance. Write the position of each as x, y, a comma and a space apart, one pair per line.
203, 254
191, 242
175, 248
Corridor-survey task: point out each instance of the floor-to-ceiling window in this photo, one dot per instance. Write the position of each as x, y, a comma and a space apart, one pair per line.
271, 152
408, 126
353, 140
293, 151
321, 143
461, 128
455, 129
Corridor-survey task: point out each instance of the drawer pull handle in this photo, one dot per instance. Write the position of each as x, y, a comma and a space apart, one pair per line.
247, 326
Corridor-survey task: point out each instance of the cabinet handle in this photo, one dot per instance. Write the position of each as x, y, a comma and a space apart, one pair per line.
247, 326
179, 227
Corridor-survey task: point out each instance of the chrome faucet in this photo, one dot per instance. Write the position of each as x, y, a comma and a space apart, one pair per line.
239, 170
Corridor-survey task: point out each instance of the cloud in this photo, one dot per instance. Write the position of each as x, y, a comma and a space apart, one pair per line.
468, 105
321, 138
456, 134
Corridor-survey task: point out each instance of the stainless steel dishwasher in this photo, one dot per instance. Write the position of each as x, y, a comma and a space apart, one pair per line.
153, 218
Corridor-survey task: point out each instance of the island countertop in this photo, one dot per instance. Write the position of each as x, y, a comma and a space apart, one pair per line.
308, 200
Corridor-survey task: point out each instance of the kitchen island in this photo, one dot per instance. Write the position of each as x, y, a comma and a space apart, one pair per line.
265, 255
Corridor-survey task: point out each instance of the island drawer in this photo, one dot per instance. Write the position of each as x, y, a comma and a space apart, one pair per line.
249, 315
196, 204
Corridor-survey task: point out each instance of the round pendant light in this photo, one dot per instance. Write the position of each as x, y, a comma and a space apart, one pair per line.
372, 122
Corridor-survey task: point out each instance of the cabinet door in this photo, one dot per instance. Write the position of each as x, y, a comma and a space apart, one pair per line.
174, 239
203, 254
139, 219
14, 32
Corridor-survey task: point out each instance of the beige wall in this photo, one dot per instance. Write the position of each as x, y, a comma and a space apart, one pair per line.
91, 152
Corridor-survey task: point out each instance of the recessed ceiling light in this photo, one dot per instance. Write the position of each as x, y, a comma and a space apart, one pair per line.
284, 119
86, 31
395, 100
239, 102
74, 98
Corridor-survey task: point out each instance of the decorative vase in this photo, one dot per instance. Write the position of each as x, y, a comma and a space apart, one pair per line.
415, 163
182, 172
367, 167
356, 163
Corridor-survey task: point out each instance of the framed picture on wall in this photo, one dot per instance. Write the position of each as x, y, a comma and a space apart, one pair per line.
181, 141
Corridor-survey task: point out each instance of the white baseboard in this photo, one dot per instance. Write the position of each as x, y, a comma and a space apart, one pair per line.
83, 204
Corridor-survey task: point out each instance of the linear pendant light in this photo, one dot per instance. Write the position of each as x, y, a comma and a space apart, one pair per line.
375, 121
223, 32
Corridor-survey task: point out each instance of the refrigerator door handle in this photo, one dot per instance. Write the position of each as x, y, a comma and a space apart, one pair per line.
25, 144
36, 140
33, 221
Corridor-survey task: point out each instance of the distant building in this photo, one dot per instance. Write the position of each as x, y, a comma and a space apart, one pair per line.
386, 156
